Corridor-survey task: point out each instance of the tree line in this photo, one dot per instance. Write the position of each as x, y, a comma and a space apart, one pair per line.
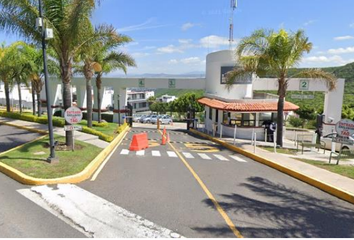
77, 47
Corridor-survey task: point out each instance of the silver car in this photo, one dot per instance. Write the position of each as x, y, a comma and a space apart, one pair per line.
347, 145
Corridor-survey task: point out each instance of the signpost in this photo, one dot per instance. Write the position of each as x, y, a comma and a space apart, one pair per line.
142, 82
73, 115
345, 128
304, 85
171, 83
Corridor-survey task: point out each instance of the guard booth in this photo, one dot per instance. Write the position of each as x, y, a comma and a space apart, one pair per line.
129, 114
191, 120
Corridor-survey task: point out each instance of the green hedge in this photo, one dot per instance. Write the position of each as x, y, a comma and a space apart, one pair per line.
60, 122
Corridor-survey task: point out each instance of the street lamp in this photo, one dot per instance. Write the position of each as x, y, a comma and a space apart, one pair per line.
118, 109
47, 33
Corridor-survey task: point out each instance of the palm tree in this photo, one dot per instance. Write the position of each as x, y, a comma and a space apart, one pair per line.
70, 21
4, 74
110, 61
274, 53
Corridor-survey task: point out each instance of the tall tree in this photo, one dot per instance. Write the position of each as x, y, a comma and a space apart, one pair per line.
70, 21
5, 74
111, 60
270, 52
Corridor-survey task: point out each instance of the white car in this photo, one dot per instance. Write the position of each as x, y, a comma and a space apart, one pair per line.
166, 120
148, 119
349, 145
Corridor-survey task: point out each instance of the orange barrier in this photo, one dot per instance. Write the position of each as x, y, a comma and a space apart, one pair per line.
163, 142
139, 142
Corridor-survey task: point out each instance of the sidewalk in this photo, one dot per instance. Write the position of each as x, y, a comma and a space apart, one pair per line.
84, 137
344, 183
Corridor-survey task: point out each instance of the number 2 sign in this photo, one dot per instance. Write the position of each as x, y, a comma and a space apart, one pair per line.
304, 85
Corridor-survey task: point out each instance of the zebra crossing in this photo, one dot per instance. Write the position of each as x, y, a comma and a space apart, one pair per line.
187, 155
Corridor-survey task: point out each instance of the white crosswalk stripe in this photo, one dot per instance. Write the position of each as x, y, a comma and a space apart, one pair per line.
124, 152
220, 157
204, 156
140, 153
237, 158
187, 155
171, 154
156, 153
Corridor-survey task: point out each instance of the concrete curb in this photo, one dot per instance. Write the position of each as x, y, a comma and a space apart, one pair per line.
76, 178
24, 128
340, 193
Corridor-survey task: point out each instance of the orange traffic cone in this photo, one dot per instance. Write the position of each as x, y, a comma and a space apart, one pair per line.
163, 142
168, 138
164, 131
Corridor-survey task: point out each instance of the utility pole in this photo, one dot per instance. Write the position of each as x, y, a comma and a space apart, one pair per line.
51, 158
118, 109
233, 6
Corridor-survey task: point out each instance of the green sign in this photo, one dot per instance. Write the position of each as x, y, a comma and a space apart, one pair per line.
142, 82
304, 85
171, 83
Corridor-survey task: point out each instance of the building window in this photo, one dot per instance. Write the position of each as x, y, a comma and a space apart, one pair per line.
210, 113
248, 119
226, 118
236, 119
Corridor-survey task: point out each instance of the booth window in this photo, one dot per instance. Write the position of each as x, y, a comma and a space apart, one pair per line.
236, 119
248, 119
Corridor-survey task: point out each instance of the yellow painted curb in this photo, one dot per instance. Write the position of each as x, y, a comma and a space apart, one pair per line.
76, 178
25, 128
342, 194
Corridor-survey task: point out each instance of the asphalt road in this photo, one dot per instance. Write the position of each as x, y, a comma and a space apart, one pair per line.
11, 137
21, 218
260, 201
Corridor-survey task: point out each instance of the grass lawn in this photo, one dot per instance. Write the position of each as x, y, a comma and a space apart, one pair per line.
344, 170
281, 150
110, 130
31, 159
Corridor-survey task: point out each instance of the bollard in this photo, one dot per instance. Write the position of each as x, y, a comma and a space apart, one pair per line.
220, 130
295, 137
252, 139
275, 141
235, 134
255, 142
265, 135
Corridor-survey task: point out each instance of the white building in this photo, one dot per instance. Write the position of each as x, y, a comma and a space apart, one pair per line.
166, 98
138, 99
14, 97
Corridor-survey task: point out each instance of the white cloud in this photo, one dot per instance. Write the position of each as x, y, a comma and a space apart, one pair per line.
309, 22
191, 60
213, 41
169, 49
143, 26
341, 38
333, 60
341, 50
185, 41
173, 61
187, 26
140, 54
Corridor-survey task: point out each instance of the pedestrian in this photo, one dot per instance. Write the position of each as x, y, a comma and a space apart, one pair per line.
272, 128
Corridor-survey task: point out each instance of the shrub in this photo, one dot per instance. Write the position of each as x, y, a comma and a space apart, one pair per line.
121, 128
29, 118
101, 124
295, 122
42, 120
100, 135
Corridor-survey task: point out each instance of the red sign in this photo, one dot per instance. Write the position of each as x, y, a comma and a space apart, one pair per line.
345, 128
73, 115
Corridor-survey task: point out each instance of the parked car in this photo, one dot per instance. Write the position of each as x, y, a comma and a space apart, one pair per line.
148, 119
142, 118
154, 118
348, 145
136, 117
166, 119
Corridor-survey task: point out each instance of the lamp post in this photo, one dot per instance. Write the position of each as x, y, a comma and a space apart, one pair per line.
51, 158
118, 109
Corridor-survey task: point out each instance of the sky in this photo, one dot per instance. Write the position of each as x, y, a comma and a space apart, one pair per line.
174, 36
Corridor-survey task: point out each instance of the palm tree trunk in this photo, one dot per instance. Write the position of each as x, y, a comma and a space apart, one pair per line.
67, 104
33, 102
89, 102
280, 118
39, 104
19, 95
98, 85
7, 96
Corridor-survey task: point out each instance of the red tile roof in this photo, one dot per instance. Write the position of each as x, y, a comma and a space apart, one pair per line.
252, 106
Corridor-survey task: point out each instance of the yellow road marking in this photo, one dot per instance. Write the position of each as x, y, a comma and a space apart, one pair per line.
107, 159
197, 147
209, 194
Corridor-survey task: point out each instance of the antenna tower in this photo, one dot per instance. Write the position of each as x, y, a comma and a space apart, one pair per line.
233, 6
